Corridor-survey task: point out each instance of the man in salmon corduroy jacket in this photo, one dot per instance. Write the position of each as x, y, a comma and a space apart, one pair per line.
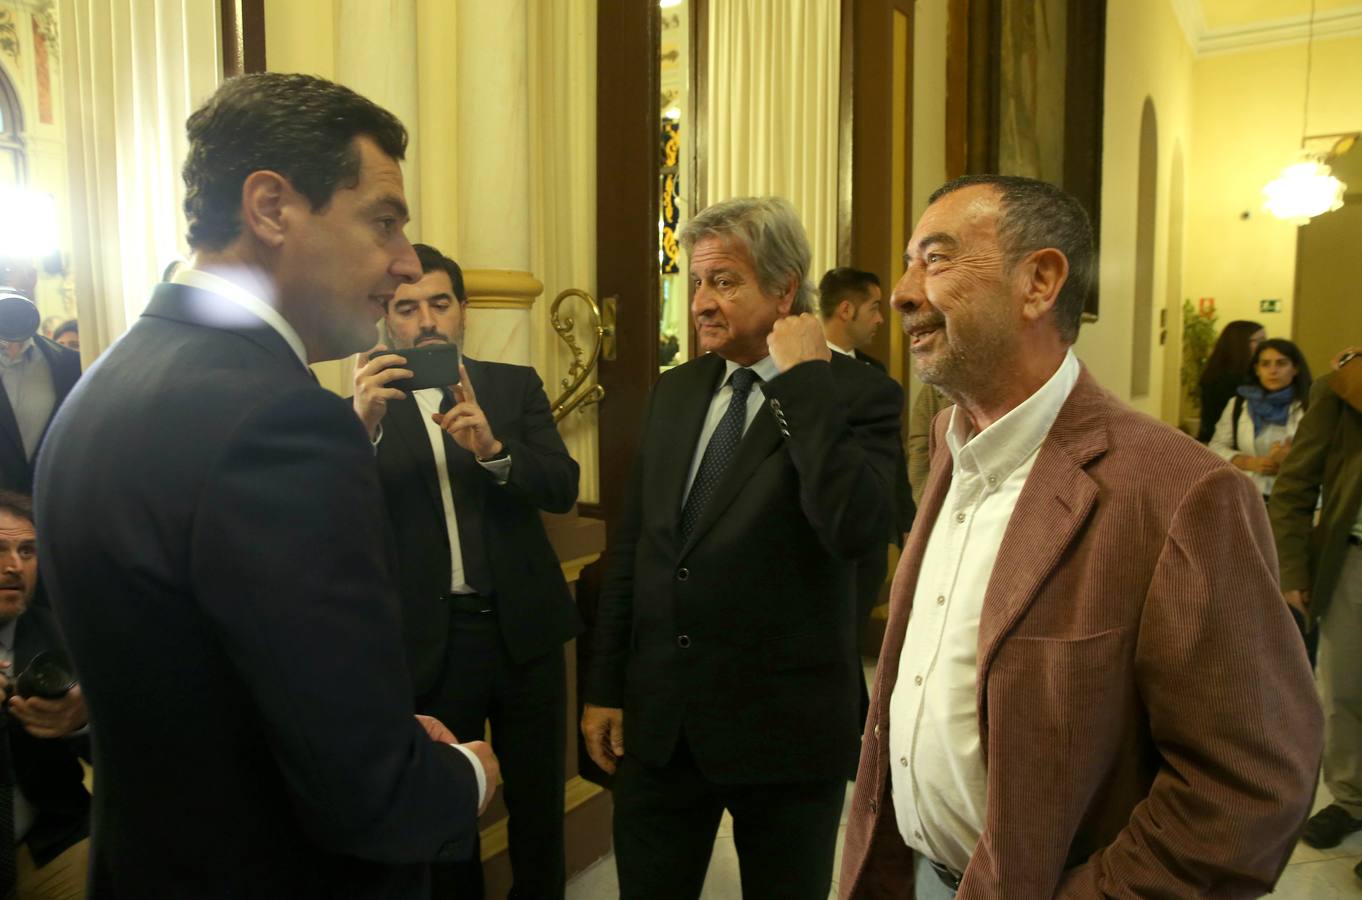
1090, 684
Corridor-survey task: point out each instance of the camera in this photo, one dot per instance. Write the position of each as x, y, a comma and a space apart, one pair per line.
49, 675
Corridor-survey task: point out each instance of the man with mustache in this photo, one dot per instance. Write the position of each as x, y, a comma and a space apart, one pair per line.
724, 665
44, 807
1089, 685
465, 471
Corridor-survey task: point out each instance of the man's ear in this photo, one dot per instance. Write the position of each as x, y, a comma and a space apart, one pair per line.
265, 200
1042, 274
787, 299
846, 310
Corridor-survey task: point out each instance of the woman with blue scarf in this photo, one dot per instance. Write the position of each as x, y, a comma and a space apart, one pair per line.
1255, 431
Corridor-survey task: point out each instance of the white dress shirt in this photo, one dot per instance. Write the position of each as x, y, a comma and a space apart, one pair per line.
258, 308
428, 401
766, 369
836, 349
27, 381
936, 760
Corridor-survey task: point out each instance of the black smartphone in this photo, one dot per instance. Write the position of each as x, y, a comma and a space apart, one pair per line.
434, 365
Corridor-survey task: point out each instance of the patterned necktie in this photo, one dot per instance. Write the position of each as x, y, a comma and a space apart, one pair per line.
719, 452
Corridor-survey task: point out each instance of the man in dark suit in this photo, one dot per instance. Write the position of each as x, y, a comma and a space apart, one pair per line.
214, 545
36, 375
44, 807
485, 609
725, 666
850, 304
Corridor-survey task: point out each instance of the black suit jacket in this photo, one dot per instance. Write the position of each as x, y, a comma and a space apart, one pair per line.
213, 544
744, 636
905, 510
535, 610
47, 769
16, 470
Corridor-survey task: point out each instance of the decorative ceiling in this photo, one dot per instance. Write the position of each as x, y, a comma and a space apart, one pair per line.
1218, 26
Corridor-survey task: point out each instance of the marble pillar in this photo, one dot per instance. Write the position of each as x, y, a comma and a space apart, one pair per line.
493, 165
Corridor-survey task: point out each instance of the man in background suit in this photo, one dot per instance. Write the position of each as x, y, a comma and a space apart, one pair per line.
45, 809
36, 375
485, 609
725, 665
850, 302
1089, 686
213, 537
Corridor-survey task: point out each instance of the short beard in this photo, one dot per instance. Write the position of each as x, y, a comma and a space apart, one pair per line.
969, 367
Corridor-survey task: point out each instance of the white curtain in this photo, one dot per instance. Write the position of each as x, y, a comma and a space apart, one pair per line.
562, 63
774, 73
133, 72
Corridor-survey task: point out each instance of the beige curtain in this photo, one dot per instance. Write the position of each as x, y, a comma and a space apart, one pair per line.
133, 71
773, 98
562, 62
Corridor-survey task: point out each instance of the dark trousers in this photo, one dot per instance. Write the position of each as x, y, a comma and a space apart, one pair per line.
526, 704
666, 818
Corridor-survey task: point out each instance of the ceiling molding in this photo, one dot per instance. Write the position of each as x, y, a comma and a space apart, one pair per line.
1336, 23
1191, 20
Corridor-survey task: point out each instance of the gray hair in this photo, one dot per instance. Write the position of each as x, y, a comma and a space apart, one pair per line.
771, 232
1037, 215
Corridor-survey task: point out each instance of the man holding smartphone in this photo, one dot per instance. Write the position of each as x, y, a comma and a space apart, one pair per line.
466, 469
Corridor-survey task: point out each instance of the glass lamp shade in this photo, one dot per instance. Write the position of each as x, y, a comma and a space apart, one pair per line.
1304, 190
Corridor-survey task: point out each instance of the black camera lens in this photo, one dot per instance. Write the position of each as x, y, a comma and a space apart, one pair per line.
49, 675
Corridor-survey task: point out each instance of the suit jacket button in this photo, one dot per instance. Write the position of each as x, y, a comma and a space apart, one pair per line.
874, 806
775, 405
877, 729
683, 641
682, 573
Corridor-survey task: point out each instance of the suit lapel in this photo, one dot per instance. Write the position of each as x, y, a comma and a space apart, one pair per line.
761, 439
404, 418
1055, 502
904, 586
9, 426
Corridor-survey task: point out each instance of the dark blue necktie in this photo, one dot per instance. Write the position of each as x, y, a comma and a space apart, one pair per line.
719, 452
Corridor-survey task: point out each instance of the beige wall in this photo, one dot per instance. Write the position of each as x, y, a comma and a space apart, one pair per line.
1247, 127
1147, 57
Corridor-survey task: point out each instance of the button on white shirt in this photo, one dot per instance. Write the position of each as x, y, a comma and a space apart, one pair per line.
938, 778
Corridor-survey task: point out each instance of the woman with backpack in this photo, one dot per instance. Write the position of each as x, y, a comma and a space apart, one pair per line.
1254, 432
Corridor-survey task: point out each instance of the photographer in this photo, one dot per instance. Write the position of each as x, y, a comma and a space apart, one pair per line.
44, 807
36, 374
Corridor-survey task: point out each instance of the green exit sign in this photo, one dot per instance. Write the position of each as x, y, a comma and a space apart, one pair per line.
1269, 306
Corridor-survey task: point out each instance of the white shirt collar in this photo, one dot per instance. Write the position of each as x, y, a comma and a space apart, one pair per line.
1008, 442
836, 349
229, 290
765, 367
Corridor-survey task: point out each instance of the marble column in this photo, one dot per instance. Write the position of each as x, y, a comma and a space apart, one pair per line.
493, 165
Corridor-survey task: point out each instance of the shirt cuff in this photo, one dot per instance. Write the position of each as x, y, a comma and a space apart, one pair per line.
477, 770
500, 468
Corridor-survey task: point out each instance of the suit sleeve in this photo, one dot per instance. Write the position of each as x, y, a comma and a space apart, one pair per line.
920, 416
1295, 493
843, 444
542, 471
288, 564
1232, 709
613, 630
